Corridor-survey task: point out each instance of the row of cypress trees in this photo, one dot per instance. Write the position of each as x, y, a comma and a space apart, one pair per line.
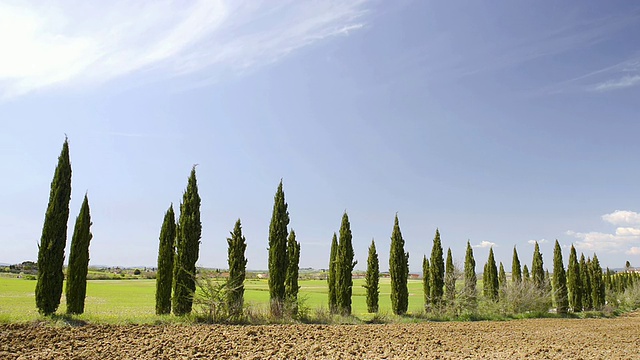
52, 244
179, 248
178, 253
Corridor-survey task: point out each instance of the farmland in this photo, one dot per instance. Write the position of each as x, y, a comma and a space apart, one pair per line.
518, 339
120, 323
132, 301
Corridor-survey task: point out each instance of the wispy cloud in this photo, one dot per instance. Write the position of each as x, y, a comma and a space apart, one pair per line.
484, 244
622, 75
569, 36
61, 43
625, 238
541, 241
624, 82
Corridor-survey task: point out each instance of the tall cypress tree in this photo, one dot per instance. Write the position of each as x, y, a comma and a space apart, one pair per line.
587, 302
76, 289
188, 248
470, 278
278, 261
559, 281
372, 279
166, 252
516, 274
345, 265
236, 247
450, 278
426, 283
525, 273
54, 237
331, 278
574, 281
502, 280
398, 271
293, 269
436, 270
597, 284
490, 278
537, 270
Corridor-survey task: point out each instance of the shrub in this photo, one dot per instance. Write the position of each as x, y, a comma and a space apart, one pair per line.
525, 297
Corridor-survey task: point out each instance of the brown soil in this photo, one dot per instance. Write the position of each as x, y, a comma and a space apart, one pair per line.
617, 338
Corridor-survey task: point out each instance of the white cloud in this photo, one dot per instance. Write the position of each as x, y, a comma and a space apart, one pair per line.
62, 43
633, 251
484, 244
541, 241
615, 84
622, 217
623, 239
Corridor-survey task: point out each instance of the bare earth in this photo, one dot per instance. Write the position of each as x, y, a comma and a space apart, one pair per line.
617, 338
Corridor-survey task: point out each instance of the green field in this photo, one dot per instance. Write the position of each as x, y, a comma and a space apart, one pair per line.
117, 301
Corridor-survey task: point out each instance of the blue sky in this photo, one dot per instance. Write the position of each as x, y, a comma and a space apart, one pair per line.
498, 122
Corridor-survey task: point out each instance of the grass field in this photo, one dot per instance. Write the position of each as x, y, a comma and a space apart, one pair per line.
133, 301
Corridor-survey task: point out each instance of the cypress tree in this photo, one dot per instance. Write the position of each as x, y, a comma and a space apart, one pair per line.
293, 269
331, 278
345, 265
597, 285
502, 280
574, 281
436, 270
525, 273
587, 302
188, 246
76, 289
516, 273
490, 278
236, 247
450, 278
372, 279
278, 261
547, 281
166, 251
537, 270
426, 283
398, 271
470, 278
54, 237
559, 281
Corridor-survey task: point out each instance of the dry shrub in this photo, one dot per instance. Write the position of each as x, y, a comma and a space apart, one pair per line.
525, 297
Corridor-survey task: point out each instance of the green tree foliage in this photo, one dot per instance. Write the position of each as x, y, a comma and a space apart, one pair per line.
236, 247
166, 252
450, 278
293, 268
470, 278
574, 281
490, 278
559, 281
372, 279
345, 265
54, 237
187, 250
278, 261
398, 271
587, 302
516, 273
76, 289
525, 273
436, 271
537, 268
331, 278
426, 283
597, 284
502, 279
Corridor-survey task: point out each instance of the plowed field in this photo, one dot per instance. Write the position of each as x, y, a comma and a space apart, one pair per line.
617, 338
